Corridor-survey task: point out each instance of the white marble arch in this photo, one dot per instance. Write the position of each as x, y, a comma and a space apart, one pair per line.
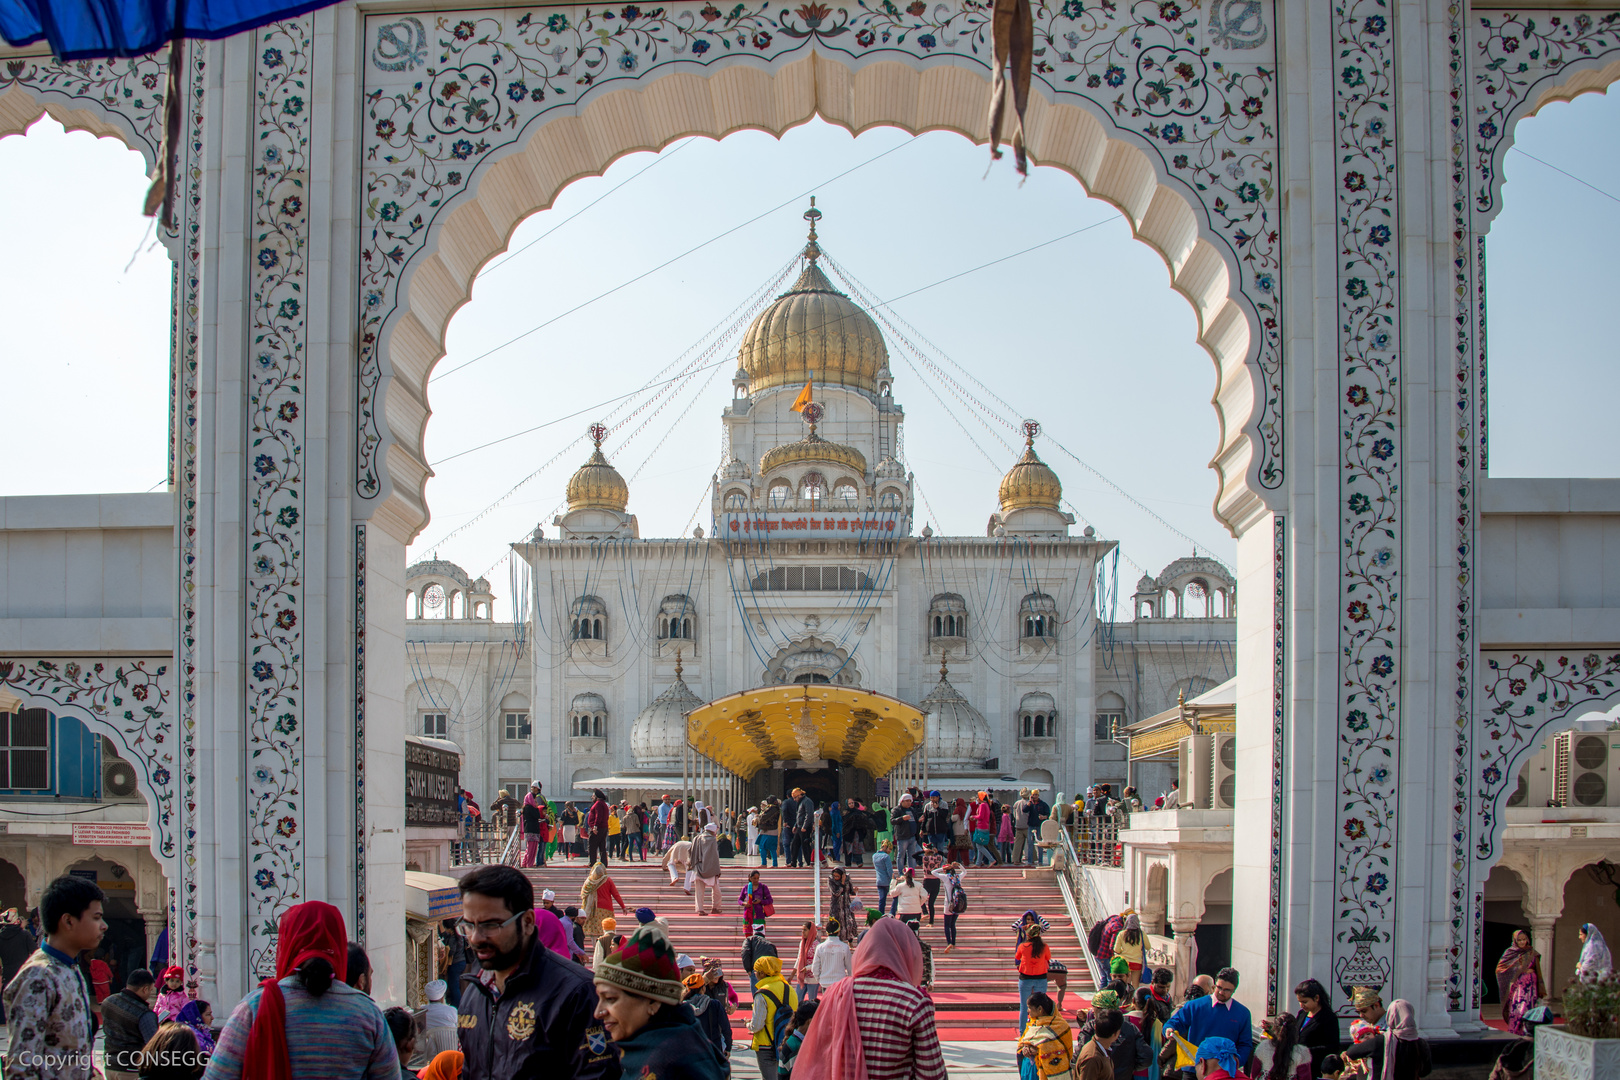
915, 93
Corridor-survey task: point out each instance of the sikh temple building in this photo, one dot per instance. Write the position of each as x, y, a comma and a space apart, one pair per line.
814, 599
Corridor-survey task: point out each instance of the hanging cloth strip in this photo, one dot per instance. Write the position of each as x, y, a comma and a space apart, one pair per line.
1012, 42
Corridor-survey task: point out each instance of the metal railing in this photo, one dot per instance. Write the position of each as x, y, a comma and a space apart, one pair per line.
1083, 901
1095, 841
480, 844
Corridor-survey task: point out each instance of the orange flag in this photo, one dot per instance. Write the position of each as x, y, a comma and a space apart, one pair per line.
803, 399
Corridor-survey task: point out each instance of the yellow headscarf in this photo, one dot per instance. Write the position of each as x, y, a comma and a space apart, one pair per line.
768, 967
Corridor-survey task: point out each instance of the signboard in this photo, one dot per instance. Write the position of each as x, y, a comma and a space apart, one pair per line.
880, 787
432, 783
111, 834
869, 525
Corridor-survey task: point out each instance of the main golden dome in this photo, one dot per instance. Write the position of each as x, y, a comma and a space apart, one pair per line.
813, 333
597, 485
1030, 482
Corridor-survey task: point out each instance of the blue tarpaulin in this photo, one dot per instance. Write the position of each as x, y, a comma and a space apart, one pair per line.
87, 29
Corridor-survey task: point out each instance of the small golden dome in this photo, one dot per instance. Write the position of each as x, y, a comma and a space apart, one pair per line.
813, 333
814, 448
597, 485
1030, 482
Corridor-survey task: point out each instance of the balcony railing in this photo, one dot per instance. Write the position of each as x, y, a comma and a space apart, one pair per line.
481, 844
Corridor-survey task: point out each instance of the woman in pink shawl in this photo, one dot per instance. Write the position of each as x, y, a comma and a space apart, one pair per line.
553, 935
876, 1024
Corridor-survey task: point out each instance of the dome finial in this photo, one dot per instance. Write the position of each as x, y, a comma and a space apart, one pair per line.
1032, 428
812, 250
944, 658
812, 413
678, 665
597, 431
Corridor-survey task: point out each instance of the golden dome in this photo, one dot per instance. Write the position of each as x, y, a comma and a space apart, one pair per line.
813, 333
1030, 482
814, 448
598, 485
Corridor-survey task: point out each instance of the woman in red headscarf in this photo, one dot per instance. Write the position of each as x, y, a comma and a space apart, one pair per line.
876, 1024
307, 1023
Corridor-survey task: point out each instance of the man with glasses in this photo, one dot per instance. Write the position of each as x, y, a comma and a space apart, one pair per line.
528, 1013
1216, 1015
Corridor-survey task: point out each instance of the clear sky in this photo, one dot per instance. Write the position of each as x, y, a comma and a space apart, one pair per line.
1083, 334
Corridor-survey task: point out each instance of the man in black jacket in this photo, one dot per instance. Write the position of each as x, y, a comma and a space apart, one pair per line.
753, 948
790, 827
528, 1014
805, 827
129, 1023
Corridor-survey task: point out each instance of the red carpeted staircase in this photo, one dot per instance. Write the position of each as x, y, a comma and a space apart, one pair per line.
975, 985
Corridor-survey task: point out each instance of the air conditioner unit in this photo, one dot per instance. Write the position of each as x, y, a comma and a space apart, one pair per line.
1223, 770
117, 779
1586, 769
1193, 761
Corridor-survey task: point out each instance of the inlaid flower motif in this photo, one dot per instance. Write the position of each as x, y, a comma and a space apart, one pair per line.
1356, 720
701, 46
762, 40
1379, 775
1377, 883
462, 149
1492, 775
287, 309
710, 13
263, 565
631, 12
272, 154
1510, 44
293, 105
1382, 449
1248, 192
292, 206
1180, 161
1378, 234
1355, 288
373, 298
287, 516
1375, 127
1516, 687
1171, 133
1358, 611
1073, 9
926, 41
1487, 129
268, 257
557, 23
1355, 829
452, 178
385, 129
1170, 11
265, 879
286, 723
287, 826
161, 776
864, 38
517, 91
389, 211
271, 58
1356, 395
262, 775
286, 620
1352, 76
149, 80
1375, 25
1253, 107
462, 30
1186, 72
1355, 181
627, 61
1093, 81
1382, 666
288, 411
1382, 557
262, 670
1264, 282
1359, 503
1114, 75
263, 464
140, 690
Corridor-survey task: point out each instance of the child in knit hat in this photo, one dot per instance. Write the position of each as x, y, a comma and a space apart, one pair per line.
639, 1001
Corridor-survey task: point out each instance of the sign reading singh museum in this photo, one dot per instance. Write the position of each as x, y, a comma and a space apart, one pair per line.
432, 785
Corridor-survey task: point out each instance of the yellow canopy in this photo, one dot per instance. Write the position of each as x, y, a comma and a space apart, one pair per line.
748, 731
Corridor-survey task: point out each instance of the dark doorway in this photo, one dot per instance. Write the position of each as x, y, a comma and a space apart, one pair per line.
820, 784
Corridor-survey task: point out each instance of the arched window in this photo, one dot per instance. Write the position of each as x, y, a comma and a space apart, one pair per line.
1029, 725
781, 492
1040, 725
1038, 616
889, 500
736, 500
948, 616
596, 725
1037, 716
846, 495
675, 622
588, 620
